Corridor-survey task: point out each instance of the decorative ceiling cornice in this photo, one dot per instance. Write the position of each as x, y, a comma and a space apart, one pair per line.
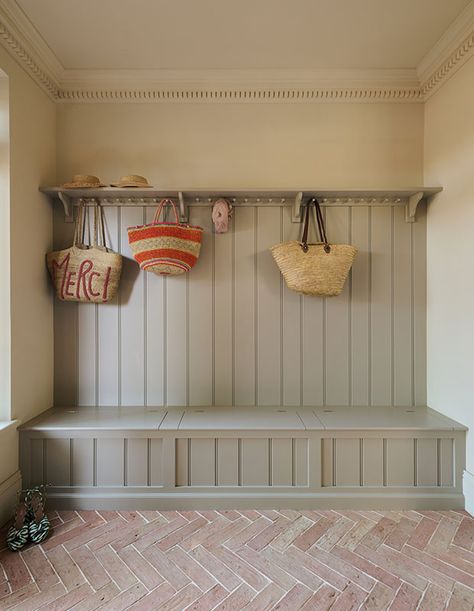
449, 67
243, 95
26, 46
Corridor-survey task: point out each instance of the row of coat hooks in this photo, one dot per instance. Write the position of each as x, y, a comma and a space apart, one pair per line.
127, 196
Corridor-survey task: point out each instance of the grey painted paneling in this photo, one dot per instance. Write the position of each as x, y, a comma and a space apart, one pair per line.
156, 462
255, 462
108, 326
446, 450
282, 462
245, 306
269, 291
136, 472
58, 469
155, 334
227, 462
37, 462
347, 462
337, 346
132, 317
231, 333
110, 462
360, 309
224, 317
427, 462
400, 462
381, 309
182, 462
200, 313
82, 462
372, 462
203, 462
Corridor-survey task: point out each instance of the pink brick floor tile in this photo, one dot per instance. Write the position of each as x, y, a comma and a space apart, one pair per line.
406, 599
253, 560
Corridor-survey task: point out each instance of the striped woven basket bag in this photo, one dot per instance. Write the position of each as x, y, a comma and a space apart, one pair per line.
165, 248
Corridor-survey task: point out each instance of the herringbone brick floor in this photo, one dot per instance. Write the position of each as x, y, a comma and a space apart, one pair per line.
253, 560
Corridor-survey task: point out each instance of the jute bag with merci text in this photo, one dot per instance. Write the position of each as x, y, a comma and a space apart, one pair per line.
89, 273
314, 269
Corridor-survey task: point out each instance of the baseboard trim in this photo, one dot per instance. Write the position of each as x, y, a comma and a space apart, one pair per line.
8, 492
245, 500
468, 490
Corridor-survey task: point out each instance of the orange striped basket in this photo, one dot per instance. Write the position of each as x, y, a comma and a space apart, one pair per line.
165, 248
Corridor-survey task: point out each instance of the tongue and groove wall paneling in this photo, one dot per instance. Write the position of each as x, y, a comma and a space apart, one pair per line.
231, 333
337, 321
66, 328
177, 321
223, 320
132, 316
381, 306
402, 310
291, 327
269, 306
200, 314
360, 308
108, 326
418, 271
155, 333
87, 339
245, 220
313, 339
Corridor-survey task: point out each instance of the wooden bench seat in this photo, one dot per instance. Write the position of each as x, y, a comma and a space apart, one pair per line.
205, 457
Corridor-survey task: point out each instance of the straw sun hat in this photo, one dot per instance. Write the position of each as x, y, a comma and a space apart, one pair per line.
132, 180
83, 181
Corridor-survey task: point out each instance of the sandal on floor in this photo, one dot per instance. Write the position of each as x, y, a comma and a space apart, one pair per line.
17, 535
39, 525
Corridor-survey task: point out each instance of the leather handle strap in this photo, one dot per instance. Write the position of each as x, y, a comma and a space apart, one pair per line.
321, 226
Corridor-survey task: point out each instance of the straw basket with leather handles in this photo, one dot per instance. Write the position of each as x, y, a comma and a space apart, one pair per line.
165, 248
314, 269
88, 273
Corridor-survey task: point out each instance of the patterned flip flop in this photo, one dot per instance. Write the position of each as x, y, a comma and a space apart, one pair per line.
17, 535
39, 525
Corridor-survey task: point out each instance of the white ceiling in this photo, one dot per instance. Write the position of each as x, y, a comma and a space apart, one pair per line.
240, 34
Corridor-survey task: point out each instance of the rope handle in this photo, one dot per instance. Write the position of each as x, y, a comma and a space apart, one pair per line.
159, 210
98, 227
321, 226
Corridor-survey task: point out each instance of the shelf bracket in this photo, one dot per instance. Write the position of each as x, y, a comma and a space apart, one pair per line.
67, 205
412, 204
183, 213
296, 213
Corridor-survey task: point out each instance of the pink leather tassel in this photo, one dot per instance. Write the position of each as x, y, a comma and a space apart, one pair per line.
221, 213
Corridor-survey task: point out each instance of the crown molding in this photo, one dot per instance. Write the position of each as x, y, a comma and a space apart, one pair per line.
449, 67
239, 85
28, 48
449, 43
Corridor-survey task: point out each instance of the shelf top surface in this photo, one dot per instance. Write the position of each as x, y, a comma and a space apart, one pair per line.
110, 192
243, 418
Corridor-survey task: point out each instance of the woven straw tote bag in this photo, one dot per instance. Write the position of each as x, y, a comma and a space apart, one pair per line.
314, 269
165, 248
89, 273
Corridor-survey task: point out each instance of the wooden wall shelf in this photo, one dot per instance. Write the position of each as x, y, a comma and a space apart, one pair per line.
114, 196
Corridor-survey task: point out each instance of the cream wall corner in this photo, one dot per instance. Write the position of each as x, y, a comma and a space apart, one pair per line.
449, 155
32, 162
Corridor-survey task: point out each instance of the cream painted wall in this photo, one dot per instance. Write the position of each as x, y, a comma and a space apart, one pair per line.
32, 162
244, 145
449, 158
